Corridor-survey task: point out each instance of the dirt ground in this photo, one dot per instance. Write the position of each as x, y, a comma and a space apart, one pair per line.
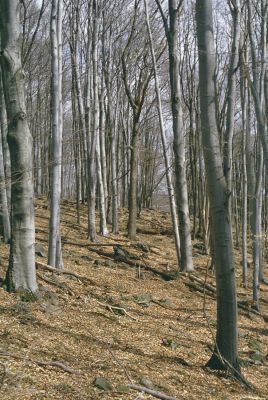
115, 320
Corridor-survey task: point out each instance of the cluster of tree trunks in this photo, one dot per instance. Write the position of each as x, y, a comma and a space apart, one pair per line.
107, 104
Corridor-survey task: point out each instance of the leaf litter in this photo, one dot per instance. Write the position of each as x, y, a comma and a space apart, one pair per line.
118, 324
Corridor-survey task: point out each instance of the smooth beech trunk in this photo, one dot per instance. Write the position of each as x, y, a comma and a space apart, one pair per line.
92, 232
181, 189
170, 187
21, 272
4, 211
54, 250
226, 337
179, 142
235, 9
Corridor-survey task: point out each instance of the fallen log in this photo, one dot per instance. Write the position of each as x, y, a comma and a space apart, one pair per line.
137, 263
211, 291
203, 283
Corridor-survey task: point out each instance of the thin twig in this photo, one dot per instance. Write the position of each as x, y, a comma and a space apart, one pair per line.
112, 308
155, 393
57, 364
120, 365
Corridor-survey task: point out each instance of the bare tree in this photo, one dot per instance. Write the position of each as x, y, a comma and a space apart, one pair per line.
226, 339
4, 210
21, 270
54, 252
164, 140
171, 31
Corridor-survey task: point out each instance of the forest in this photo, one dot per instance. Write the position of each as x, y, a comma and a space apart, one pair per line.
133, 199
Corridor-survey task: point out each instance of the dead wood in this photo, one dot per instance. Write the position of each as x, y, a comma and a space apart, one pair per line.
116, 308
64, 241
154, 393
136, 264
57, 284
211, 291
199, 288
64, 272
57, 364
203, 283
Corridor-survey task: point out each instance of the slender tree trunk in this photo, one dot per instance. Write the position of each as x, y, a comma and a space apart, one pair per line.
244, 102
164, 142
231, 97
54, 250
133, 182
226, 337
257, 232
179, 143
4, 212
92, 234
21, 272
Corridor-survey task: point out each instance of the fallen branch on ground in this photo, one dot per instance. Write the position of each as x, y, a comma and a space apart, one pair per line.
57, 364
116, 308
137, 263
57, 284
200, 285
154, 393
64, 272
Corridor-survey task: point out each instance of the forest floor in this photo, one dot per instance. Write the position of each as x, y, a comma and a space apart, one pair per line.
112, 323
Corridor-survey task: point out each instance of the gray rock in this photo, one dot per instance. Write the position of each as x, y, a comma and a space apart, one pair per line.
40, 250
103, 384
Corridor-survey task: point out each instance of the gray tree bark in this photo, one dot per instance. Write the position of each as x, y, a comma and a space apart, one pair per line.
21, 272
235, 8
226, 337
164, 142
54, 249
4, 210
186, 260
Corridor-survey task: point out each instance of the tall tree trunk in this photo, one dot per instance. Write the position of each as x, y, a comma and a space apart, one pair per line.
257, 231
164, 142
21, 272
226, 337
178, 135
245, 122
92, 234
234, 6
4, 211
54, 250
179, 144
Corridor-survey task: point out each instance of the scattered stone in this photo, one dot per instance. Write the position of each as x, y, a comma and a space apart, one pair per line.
122, 254
103, 384
143, 247
123, 389
143, 299
40, 250
165, 302
147, 383
257, 357
109, 264
167, 342
87, 258
181, 361
102, 263
255, 344
49, 308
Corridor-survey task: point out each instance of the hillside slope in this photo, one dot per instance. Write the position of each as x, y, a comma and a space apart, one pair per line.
116, 320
